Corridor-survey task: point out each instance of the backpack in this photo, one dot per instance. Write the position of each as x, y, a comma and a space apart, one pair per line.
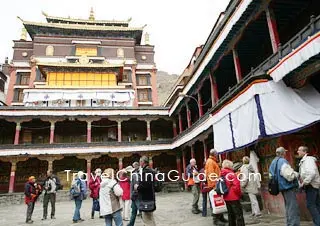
221, 186
273, 186
75, 190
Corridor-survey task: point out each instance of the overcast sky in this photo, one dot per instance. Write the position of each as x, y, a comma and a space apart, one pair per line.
176, 27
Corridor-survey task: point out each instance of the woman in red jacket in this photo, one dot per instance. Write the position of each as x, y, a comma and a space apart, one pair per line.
232, 198
94, 185
125, 200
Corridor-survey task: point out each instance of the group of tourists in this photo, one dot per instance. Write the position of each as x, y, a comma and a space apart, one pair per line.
32, 191
111, 194
231, 181
112, 197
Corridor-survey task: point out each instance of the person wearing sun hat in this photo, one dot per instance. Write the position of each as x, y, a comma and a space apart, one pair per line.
31, 192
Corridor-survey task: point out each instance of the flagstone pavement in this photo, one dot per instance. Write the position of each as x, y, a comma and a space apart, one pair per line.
172, 209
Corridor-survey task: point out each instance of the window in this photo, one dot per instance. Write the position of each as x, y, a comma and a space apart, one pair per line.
143, 96
81, 103
120, 53
82, 79
143, 80
86, 51
23, 78
49, 50
125, 76
18, 95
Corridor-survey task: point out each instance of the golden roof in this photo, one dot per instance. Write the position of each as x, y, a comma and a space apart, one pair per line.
89, 21
81, 65
83, 26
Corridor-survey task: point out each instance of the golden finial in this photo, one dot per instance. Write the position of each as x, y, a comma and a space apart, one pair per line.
91, 17
146, 38
44, 13
23, 34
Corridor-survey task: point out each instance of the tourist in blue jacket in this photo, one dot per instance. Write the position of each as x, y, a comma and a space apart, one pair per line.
288, 185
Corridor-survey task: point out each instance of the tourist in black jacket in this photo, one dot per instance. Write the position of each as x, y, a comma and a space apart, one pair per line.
146, 192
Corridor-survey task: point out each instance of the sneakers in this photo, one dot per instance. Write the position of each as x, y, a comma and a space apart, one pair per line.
44, 218
29, 222
53, 217
223, 220
196, 211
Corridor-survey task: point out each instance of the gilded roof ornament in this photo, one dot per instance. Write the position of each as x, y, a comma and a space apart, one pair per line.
91, 17
44, 13
147, 38
23, 34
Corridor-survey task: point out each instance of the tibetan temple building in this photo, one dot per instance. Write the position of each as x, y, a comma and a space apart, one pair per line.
82, 94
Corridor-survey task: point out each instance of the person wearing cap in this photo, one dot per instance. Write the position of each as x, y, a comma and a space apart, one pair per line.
194, 182
310, 181
212, 171
281, 170
31, 192
94, 185
80, 183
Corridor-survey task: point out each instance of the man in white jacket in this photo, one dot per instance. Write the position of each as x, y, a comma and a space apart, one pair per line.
310, 181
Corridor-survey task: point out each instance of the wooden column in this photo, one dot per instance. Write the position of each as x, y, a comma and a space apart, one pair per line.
184, 162
200, 104
119, 131
273, 31
178, 159
13, 161
205, 150
188, 116
12, 176
120, 164
214, 90
192, 151
150, 162
174, 126
180, 123
88, 158
17, 134
148, 130
52, 128
50, 159
89, 131
237, 66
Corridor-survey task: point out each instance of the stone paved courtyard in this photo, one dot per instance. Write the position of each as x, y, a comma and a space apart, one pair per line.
172, 209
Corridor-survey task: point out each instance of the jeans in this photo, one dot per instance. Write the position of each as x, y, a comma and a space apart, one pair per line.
204, 203
292, 208
313, 203
92, 209
46, 198
134, 212
116, 216
148, 219
78, 203
235, 214
196, 193
254, 204
30, 209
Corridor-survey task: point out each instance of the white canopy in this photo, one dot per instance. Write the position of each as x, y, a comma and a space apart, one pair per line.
34, 95
276, 111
